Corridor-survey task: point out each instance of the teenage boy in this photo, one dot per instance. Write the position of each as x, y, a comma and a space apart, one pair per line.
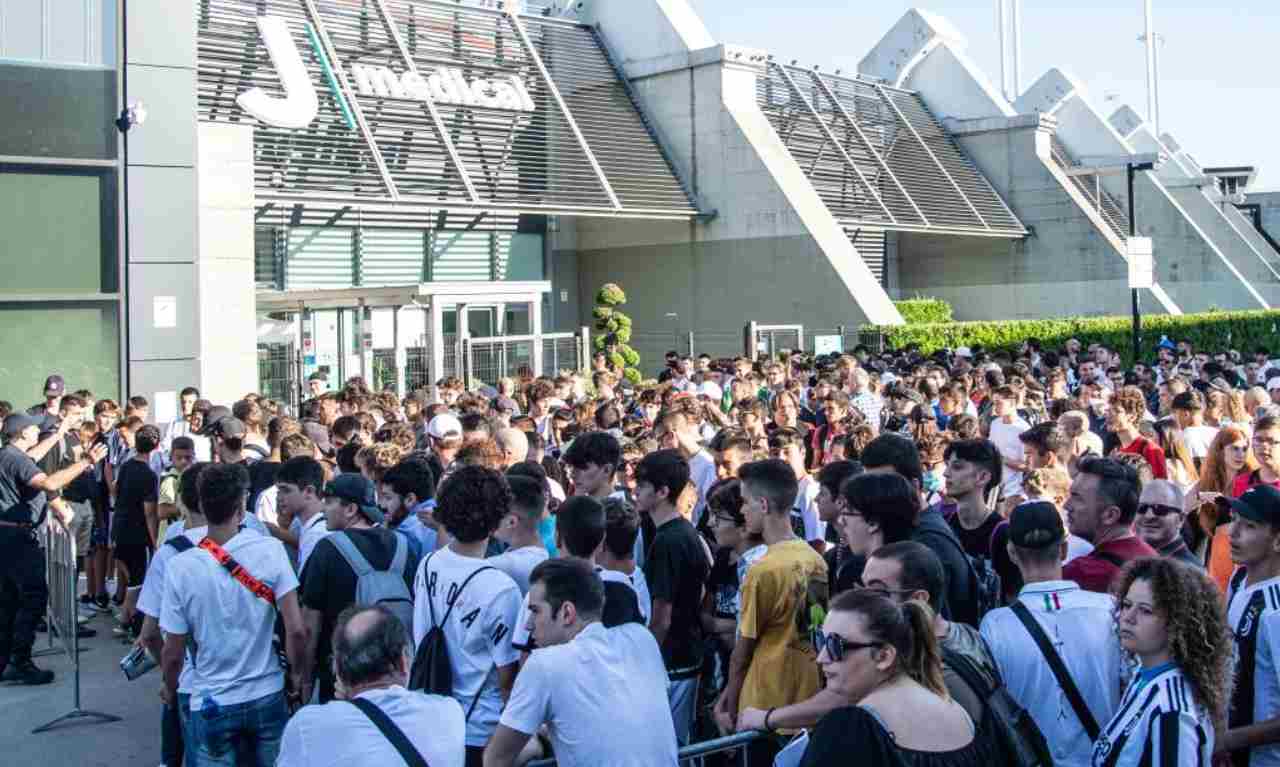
1006, 427
407, 488
973, 471
676, 568
771, 665
519, 530
1266, 448
219, 606
593, 460
844, 569
1128, 405
677, 428
1253, 614
476, 605
787, 445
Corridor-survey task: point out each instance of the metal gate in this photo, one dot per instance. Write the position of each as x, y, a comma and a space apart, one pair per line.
279, 373
770, 340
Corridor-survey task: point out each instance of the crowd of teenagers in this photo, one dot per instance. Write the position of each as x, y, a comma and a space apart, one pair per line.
1015, 557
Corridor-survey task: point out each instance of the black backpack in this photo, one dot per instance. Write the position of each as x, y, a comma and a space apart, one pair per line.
432, 671
1020, 740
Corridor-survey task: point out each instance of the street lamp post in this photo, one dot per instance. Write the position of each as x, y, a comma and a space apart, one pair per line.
1131, 170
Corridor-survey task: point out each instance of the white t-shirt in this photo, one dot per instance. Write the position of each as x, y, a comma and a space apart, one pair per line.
1005, 437
151, 599
638, 584
1081, 627
229, 626
478, 632
519, 563
806, 507
574, 688
249, 522
702, 472
1199, 439
313, 531
1266, 659
338, 734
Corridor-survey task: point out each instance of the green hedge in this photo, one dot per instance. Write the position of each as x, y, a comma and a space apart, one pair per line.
1210, 331
920, 310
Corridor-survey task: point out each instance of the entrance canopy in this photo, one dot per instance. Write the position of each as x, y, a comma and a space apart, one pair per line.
411, 106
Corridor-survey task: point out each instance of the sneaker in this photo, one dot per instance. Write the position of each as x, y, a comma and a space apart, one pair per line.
103, 602
86, 600
26, 672
83, 616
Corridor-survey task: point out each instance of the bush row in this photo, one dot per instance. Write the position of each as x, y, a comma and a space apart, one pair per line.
921, 310
1245, 331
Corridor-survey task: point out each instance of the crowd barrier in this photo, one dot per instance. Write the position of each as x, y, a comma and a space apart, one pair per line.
695, 753
60, 570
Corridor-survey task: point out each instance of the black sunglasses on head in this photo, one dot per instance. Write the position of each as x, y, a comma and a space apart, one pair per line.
836, 645
1158, 509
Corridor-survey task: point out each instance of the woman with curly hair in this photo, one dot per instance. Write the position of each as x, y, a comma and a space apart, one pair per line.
1169, 619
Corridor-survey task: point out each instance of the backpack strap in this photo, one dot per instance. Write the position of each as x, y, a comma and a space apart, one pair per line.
1059, 669
180, 543
991, 544
347, 548
1107, 556
964, 668
430, 606
391, 732
402, 554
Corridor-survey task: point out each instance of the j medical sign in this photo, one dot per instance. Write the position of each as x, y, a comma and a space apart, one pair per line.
443, 85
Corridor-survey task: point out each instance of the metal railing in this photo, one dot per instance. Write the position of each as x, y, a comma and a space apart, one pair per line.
696, 753
60, 570
488, 359
1112, 211
770, 340
279, 367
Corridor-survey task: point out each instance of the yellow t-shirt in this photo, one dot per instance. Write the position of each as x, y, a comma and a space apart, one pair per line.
782, 595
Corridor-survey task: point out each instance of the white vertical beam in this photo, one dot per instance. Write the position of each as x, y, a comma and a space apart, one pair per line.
535, 327
1150, 45
435, 331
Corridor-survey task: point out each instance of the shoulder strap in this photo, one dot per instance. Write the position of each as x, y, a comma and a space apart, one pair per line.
964, 668
991, 544
1237, 580
426, 572
347, 548
1059, 669
180, 543
241, 575
391, 732
402, 554
1107, 556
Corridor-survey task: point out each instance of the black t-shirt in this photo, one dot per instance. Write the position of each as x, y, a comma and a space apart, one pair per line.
853, 730
262, 475
986, 541
136, 485
723, 583
19, 502
961, 603
844, 569
329, 584
677, 569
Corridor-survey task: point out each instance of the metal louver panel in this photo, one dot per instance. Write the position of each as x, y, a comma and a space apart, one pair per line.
319, 258
460, 256
578, 145
876, 156
870, 244
391, 257
268, 257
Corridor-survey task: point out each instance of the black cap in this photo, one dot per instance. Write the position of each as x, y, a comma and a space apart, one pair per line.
1259, 504
1036, 525
54, 386
354, 488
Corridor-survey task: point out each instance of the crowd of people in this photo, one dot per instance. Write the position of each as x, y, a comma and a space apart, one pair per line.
1025, 557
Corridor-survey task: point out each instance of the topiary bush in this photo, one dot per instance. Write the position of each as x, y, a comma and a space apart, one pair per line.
1210, 330
613, 332
921, 310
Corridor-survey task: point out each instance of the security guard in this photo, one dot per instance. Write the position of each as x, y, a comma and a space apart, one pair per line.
23, 591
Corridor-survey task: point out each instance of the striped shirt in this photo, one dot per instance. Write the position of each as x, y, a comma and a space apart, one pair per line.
1159, 724
1253, 615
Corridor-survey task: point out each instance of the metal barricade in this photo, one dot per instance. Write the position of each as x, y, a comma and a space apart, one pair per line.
561, 352
60, 569
279, 373
770, 340
696, 753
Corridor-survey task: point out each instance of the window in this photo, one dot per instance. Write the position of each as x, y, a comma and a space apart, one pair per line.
59, 232
78, 340
60, 32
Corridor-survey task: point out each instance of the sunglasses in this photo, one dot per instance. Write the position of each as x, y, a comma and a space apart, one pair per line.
1157, 509
836, 645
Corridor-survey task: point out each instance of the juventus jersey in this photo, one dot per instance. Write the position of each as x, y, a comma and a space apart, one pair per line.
1253, 615
1158, 724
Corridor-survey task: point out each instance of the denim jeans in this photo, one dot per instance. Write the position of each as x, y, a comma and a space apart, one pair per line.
682, 695
240, 735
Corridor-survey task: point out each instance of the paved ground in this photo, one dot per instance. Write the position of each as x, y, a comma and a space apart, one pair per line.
132, 742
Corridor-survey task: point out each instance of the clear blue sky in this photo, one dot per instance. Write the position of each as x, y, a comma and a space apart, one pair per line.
1218, 73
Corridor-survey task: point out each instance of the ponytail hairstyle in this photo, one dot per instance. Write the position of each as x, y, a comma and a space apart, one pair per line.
908, 628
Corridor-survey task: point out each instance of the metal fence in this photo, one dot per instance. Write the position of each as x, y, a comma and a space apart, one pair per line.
279, 369
60, 570
731, 749
488, 359
770, 340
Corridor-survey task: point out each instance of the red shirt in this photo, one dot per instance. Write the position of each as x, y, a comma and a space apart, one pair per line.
1094, 573
1152, 452
1248, 479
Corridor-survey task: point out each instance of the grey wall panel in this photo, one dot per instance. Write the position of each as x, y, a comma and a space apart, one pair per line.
162, 201
157, 379
162, 33
150, 337
168, 137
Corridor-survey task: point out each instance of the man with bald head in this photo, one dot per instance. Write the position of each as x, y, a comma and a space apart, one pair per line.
513, 444
372, 653
1159, 521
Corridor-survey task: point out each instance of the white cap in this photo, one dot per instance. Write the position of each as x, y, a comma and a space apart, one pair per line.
963, 351
444, 425
710, 389
888, 378
1273, 384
